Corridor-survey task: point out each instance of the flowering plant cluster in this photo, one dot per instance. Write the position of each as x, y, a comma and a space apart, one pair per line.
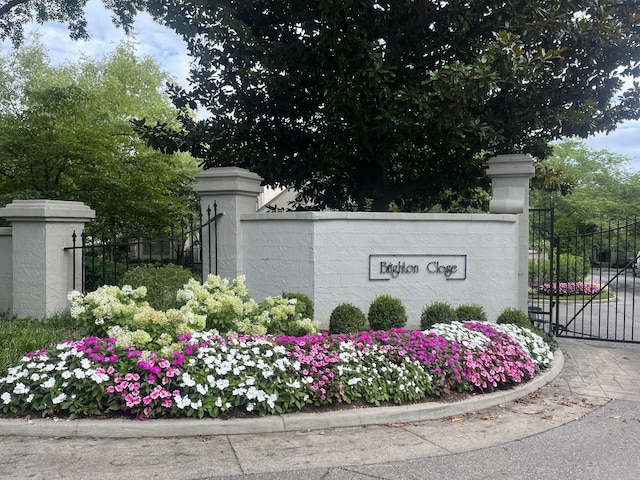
124, 315
228, 307
208, 374
572, 288
220, 305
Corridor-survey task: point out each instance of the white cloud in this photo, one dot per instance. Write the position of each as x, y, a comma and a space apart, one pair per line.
159, 42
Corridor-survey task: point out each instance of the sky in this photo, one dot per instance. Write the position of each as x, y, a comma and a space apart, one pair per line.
169, 51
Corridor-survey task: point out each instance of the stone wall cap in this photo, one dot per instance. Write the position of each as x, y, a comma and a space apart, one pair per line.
47, 210
315, 216
511, 165
228, 180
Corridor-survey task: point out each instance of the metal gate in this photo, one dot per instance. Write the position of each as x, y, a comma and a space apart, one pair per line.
585, 285
107, 256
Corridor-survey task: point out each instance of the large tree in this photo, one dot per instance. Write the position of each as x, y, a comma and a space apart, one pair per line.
65, 134
360, 103
604, 190
363, 103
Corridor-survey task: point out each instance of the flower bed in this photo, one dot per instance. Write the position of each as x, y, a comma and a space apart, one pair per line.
207, 374
572, 288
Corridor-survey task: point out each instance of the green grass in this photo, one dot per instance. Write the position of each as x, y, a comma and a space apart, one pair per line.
19, 336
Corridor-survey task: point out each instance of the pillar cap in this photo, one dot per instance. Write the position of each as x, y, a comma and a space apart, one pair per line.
511, 165
228, 180
47, 210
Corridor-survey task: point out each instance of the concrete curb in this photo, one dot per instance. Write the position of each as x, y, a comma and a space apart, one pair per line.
119, 428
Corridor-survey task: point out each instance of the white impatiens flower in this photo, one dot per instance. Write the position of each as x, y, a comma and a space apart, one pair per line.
457, 332
202, 389
187, 381
529, 341
49, 383
6, 398
20, 389
59, 399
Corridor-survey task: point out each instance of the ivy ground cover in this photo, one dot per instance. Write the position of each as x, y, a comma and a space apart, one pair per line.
207, 374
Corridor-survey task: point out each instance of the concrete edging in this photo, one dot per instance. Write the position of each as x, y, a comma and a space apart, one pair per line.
290, 422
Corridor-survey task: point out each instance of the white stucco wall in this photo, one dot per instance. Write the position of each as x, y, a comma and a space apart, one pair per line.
6, 270
326, 255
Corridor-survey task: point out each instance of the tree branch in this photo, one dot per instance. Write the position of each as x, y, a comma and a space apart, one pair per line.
6, 8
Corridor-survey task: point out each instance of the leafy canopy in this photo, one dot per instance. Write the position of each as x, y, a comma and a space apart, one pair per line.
360, 103
367, 103
604, 191
65, 135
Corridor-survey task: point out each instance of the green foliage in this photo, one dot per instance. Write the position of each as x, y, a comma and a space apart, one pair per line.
551, 342
437, 312
268, 375
21, 335
347, 318
358, 104
98, 272
227, 306
304, 304
517, 317
603, 189
514, 316
162, 282
471, 312
387, 312
572, 269
54, 118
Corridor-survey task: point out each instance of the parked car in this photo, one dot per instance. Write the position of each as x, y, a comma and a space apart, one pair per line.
635, 266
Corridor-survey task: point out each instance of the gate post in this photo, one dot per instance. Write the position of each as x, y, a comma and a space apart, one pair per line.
42, 269
235, 191
510, 175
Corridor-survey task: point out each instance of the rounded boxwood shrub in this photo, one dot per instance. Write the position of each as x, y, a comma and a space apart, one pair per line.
162, 282
347, 318
470, 313
304, 304
437, 312
387, 312
514, 316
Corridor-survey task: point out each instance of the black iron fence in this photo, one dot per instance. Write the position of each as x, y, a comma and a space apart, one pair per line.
542, 267
106, 256
585, 285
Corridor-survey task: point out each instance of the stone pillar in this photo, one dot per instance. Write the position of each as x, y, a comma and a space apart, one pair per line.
510, 175
6, 270
42, 269
235, 191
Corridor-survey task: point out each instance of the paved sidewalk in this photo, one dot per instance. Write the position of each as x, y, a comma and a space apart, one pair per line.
584, 424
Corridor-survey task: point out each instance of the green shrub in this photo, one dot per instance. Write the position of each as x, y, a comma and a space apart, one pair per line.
304, 305
227, 306
572, 269
387, 312
552, 342
162, 283
471, 312
514, 316
347, 318
98, 273
437, 312
518, 317
21, 335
